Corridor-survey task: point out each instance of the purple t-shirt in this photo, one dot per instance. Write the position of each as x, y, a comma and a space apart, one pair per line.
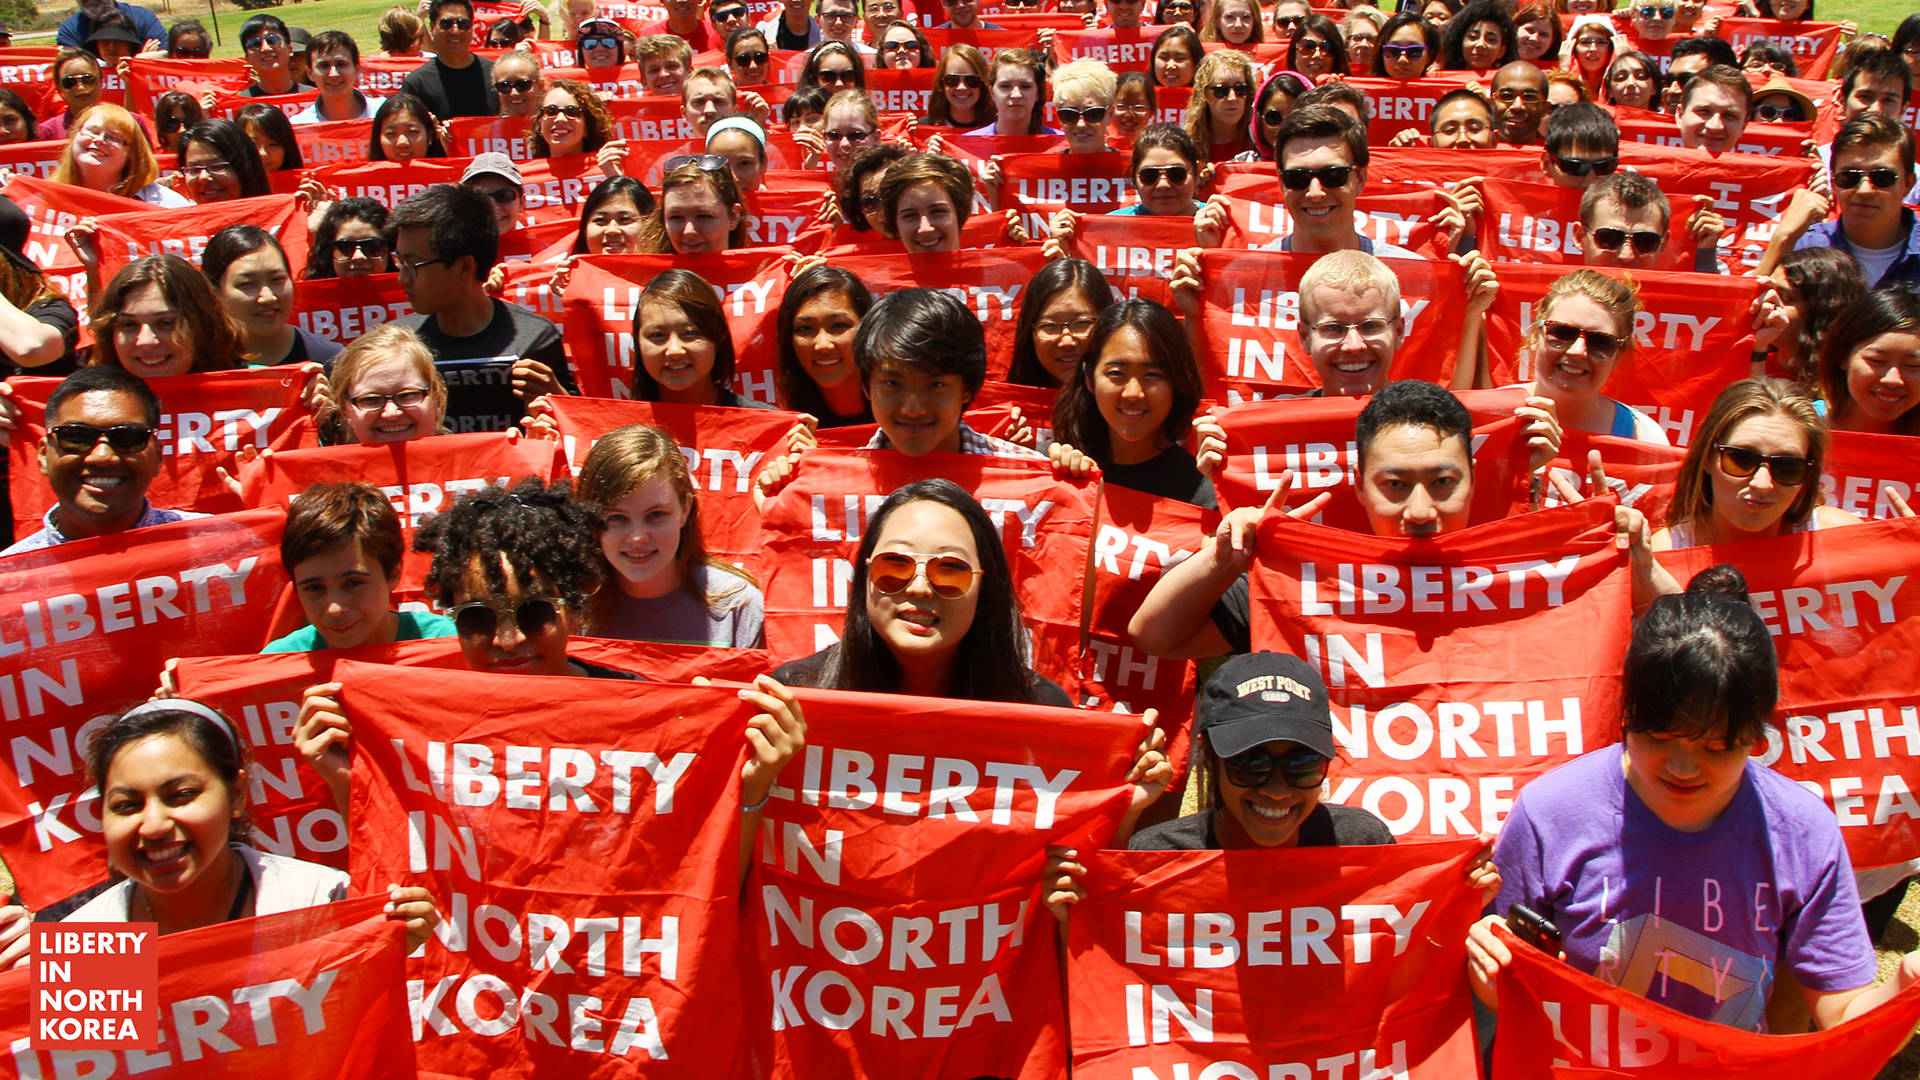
1696, 921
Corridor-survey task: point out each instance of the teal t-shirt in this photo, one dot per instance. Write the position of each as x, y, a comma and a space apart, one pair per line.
414, 625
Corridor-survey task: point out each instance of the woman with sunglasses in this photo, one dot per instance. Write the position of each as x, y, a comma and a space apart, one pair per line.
834, 66
1869, 370
520, 85
856, 187
1166, 171
959, 97
1409, 45
1176, 55
664, 586
903, 46
1752, 470
851, 124
350, 240
173, 113
573, 120
1582, 331
1058, 311
78, 80
815, 373
341, 547
1271, 107
403, 130
386, 389
1222, 98
249, 272
934, 611
108, 152
1131, 401
1083, 100
601, 46
1634, 81
748, 57
1317, 50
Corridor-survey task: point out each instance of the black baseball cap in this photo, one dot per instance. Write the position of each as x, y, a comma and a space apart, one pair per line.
14, 228
1265, 697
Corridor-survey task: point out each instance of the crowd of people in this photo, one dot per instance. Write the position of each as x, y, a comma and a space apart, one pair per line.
1226, 104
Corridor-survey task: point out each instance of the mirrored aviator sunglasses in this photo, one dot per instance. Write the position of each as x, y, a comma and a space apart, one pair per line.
535, 617
1303, 769
949, 576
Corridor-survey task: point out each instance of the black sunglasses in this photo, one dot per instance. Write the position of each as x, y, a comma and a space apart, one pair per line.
955, 82
535, 617
75, 82
1404, 52
1740, 462
1581, 167
1599, 346
1222, 91
513, 86
721, 15
574, 111
263, 41
1303, 769
371, 247
1650, 11
1880, 176
1769, 113
838, 77
750, 59
77, 438
1272, 117
1073, 116
1330, 176
600, 43
1645, 241
455, 22
709, 162
1151, 176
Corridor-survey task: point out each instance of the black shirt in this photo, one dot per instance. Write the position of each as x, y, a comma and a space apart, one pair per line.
807, 671
1170, 474
1330, 825
601, 671
256, 90
451, 91
1233, 616
479, 369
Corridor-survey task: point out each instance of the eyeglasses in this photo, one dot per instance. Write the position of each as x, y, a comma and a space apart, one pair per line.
1740, 462
1645, 241
1290, 23
415, 266
111, 138
406, 399
836, 16
172, 122
1303, 769
1310, 46
1134, 110
513, 86
949, 576
573, 112
75, 82
836, 77
600, 43
870, 203
82, 438
1880, 177
535, 617
1581, 167
1650, 11
1330, 176
1599, 346
858, 135
721, 15
750, 59
369, 247
1172, 174
955, 82
1770, 112
1508, 95
1095, 115
264, 41
709, 162
899, 46
1223, 91
1404, 52
1273, 117
1338, 331
1078, 327
207, 168
454, 22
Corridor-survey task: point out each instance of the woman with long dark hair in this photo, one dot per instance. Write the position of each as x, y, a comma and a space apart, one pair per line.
1133, 400
816, 374
1057, 316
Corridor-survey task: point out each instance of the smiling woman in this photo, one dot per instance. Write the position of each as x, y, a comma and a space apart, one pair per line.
342, 549
249, 271
385, 389
162, 317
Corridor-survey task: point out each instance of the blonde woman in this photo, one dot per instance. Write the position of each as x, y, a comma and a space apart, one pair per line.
1217, 113
385, 389
107, 151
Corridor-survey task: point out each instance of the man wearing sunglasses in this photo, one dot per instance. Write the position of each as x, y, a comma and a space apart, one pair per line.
269, 52
1623, 222
1872, 168
99, 456
1581, 145
1322, 154
80, 26
455, 82
498, 178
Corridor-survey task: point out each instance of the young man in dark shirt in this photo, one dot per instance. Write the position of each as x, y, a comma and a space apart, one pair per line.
455, 82
494, 356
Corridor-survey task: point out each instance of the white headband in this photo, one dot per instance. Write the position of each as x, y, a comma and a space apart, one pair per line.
186, 705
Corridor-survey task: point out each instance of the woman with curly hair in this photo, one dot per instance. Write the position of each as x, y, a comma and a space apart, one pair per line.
573, 120
1217, 112
350, 241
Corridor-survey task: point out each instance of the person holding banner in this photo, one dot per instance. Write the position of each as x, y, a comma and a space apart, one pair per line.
574, 120
1131, 402
342, 549
1623, 223
613, 217
78, 80
1580, 144
1222, 99
1058, 312
815, 374
699, 211
250, 273
1175, 55
926, 199
220, 163
1676, 866
1796, 308
664, 587
934, 612
1083, 99
38, 327
160, 316
1869, 369
959, 98
108, 151
1873, 167
1317, 50
1590, 50
1409, 45
1582, 331
855, 199
350, 240
742, 141
388, 390
851, 124
682, 344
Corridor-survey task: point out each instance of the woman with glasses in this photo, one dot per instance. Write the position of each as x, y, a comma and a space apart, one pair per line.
614, 217
834, 66
857, 187
335, 69
160, 316
748, 57
77, 79
341, 547
661, 585
108, 152
173, 113
1234, 22
1480, 39
1361, 29
934, 611
852, 124
250, 273
1083, 99
1409, 45
815, 373
1591, 51
959, 97
1222, 99
386, 389
1317, 50
1171, 12
902, 46
1176, 54
1752, 470
1134, 103
1017, 84
1270, 108
519, 84
221, 163
1131, 401
1582, 332
350, 240
1166, 171
1869, 371
403, 130
269, 52
1058, 311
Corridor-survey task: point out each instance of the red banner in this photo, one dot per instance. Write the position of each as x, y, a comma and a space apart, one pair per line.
1848, 720
1250, 319
885, 961
28, 71
114, 608
314, 994
1559, 1024
1164, 955
381, 76
388, 182
1259, 218
1814, 45
1640, 474
988, 282
1862, 469
332, 142
185, 231
1786, 140
604, 292
1121, 50
36, 157
51, 210
1041, 185
1535, 224
1692, 337
614, 847
149, 77
1136, 254
1447, 698
1394, 105
256, 407
812, 531
340, 309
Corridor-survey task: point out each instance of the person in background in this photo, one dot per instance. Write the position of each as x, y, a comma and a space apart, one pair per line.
1872, 169
400, 32
1798, 305
748, 57
161, 317
1634, 82
1018, 84
350, 240
1519, 103
1234, 22
454, 82
1176, 54
1714, 109
250, 273
1409, 45
272, 136
664, 62
1134, 105
574, 120
342, 548
333, 59
1869, 371
743, 143
1317, 49
791, 28
17, 122
1218, 110
38, 327
520, 85
78, 79
902, 45
1083, 100
1361, 29
79, 26
108, 152
269, 48
498, 178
